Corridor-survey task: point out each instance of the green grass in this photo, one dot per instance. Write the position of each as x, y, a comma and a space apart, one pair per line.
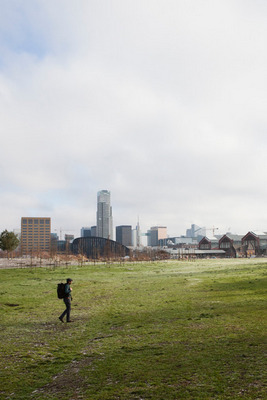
164, 330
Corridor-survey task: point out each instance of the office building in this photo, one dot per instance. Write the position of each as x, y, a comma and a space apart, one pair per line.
93, 230
195, 231
104, 222
124, 234
54, 243
155, 234
85, 232
35, 235
136, 236
69, 238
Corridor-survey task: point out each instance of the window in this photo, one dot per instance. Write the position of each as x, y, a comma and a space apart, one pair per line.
204, 246
225, 245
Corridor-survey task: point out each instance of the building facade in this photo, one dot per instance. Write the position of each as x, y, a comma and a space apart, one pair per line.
195, 231
136, 236
86, 232
104, 220
155, 234
93, 230
124, 235
254, 244
97, 247
35, 235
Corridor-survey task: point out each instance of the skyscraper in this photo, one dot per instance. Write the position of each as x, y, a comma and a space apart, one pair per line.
136, 236
155, 234
104, 222
124, 234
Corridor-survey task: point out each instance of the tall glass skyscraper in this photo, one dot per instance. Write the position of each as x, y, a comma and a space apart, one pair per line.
104, 222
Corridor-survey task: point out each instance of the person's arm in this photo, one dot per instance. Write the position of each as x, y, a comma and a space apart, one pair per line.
67, 289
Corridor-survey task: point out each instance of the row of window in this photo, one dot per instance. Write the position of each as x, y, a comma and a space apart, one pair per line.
225, 245
35, 221
30, 239
32, 234
41, 240
35, 231
37, 247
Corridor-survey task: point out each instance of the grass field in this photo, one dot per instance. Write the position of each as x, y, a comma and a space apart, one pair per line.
163, 330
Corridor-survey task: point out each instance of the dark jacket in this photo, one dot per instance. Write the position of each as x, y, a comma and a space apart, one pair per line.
67, 291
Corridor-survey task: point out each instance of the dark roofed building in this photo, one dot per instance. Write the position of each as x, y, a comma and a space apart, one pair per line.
97, 247
204, 244
254, 244
231, 244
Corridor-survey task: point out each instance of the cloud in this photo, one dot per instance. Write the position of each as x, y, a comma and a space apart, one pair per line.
163, 103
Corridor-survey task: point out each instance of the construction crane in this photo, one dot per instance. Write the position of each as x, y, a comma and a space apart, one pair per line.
213, 229
63, 230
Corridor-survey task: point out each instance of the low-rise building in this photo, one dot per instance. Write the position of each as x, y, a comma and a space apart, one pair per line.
231, 244
254, 244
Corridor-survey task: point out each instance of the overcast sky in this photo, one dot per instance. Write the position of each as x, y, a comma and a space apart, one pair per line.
162, 102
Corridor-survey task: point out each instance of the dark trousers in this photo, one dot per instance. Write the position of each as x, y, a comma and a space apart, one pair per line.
68, 308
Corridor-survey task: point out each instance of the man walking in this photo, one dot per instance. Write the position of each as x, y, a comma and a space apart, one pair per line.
67, 300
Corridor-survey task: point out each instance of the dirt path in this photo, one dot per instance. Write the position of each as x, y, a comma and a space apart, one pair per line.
68, 381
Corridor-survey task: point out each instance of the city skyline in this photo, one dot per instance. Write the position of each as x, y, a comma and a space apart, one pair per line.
104, 210
165, 107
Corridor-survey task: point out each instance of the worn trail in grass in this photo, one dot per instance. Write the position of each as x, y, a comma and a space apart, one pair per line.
174, 330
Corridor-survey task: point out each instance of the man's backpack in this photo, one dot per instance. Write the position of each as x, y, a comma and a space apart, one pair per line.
61, 290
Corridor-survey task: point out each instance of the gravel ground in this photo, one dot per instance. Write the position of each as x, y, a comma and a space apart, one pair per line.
26, 262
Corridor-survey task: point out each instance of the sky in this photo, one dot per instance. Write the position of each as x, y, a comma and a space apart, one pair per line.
162, 102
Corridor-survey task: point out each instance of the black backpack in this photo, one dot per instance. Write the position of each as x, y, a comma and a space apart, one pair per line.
61, 290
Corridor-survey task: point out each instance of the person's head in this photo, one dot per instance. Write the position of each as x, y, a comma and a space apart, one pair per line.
69, 280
